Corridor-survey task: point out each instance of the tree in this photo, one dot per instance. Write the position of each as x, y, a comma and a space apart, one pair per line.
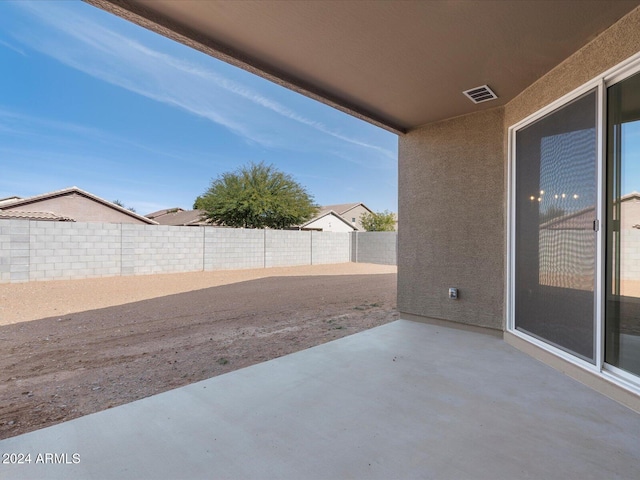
120, 204
256, 196
378, 221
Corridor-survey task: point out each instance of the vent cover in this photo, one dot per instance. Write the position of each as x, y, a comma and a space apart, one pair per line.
480, 94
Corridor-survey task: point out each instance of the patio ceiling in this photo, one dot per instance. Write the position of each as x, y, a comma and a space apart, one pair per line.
397, 64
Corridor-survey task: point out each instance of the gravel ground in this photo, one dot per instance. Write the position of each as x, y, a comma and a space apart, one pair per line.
75, 347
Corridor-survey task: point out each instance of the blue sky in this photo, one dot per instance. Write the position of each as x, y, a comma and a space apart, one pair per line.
631, 157
90, 100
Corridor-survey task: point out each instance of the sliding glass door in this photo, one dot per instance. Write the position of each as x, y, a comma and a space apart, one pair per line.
622, 317
556, 164
574, 286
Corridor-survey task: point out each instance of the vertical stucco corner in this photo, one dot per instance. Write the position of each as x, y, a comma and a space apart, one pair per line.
451, 211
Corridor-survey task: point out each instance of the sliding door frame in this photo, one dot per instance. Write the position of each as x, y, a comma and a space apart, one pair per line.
599, 84
629, 69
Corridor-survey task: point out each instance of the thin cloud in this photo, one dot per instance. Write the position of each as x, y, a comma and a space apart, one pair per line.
286, 112
116, 59
17, 123
113, 58
12, 47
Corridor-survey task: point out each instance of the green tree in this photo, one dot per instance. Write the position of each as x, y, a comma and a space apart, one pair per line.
199, 203
256, 196
378, 221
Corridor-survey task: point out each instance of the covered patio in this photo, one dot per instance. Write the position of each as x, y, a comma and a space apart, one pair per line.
404, 400
440, 394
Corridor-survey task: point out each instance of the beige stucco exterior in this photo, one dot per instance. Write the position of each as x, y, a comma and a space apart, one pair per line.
452, 192
80, 208
329, 223
451, 201
356, 213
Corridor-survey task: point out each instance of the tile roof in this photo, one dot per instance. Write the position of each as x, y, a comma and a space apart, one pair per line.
159, 213
8, 200
17, 214
341, 208
181, 217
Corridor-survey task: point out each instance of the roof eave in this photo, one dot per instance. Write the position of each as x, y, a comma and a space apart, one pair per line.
161, 25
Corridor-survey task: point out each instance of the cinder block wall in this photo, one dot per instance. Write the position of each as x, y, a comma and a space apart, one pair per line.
287, 248
14, 251
330, 247
60, 250
376, 247
31, 250
161, 249
232, 248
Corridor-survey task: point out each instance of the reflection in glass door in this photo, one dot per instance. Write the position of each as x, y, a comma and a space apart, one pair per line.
622, 317
556, 161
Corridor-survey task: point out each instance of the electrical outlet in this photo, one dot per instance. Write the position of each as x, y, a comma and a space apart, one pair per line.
453, 293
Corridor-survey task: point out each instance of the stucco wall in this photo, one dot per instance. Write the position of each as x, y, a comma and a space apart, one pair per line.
451, 204
356, 213
614, 45
452, 192
80, 208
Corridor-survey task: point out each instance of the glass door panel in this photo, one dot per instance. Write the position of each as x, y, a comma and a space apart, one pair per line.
555, 242
622, 317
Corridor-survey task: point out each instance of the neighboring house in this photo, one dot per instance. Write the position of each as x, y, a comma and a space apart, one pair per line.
350, 212
69, 204
329, 221
179, 217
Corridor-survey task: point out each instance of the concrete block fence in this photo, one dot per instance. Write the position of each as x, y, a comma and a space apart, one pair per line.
375, 247
36, 250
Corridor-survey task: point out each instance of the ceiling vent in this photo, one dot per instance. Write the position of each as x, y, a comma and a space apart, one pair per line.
480, 94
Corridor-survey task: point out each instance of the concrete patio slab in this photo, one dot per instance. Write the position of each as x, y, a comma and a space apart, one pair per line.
404, 400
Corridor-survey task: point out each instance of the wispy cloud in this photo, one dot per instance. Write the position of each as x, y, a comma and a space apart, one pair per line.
115, 153
12, 47
58, 154
104, 54
91, 47
55, 132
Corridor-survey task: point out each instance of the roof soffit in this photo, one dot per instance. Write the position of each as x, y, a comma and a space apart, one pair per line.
396, 64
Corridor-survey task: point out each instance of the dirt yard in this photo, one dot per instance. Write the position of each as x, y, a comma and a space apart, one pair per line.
70, 348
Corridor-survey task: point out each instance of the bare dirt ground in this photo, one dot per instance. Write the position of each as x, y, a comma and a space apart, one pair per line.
70, 348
